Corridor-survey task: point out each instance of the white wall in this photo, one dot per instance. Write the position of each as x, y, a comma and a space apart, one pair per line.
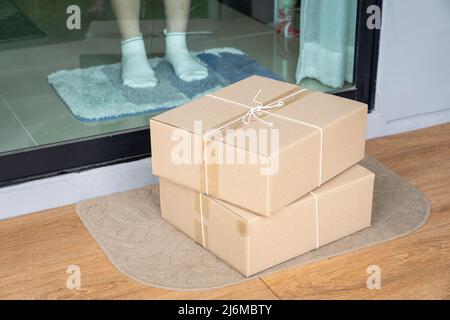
73, 187
413, 84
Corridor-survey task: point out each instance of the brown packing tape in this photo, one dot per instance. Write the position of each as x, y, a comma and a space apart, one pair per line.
196, 204
243, 228
202, 182
201, 207
197, 220
205, 207
213, 179
290, 99
239, 124
198, 231
198, 237
211, 186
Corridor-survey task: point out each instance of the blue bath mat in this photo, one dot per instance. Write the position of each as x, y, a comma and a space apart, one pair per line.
97, 93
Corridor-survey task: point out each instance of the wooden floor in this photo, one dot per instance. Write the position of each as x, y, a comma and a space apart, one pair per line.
35, 250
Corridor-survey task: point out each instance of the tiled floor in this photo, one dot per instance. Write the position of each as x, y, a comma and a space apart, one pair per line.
32, 114
12, 134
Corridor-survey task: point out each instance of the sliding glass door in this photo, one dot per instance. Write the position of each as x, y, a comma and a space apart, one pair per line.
66, 102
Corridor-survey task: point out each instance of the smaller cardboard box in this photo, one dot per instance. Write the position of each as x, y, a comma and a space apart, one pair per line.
273, 139
251, 243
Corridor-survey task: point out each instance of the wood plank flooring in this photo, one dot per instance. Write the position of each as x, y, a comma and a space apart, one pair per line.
36, 249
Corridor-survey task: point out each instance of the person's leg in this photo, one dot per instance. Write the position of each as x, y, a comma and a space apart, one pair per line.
186, 67
136, 71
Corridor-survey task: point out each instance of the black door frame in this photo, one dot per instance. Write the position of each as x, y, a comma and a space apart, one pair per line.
81, 154
366, 57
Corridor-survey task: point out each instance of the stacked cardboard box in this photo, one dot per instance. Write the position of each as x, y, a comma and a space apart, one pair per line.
262, 171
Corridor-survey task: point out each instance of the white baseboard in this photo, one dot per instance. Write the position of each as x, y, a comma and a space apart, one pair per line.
378, 127
70, 188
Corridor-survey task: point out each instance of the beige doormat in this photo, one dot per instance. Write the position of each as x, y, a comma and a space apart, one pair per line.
129, 229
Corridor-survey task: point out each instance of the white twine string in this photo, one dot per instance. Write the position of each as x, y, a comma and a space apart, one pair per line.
246, 119
312, 126
252, 113
317, 218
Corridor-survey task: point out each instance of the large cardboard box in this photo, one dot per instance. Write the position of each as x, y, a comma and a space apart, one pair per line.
251, 243
259, 143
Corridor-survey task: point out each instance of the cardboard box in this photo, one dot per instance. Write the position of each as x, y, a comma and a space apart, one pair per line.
251, 243
300, 144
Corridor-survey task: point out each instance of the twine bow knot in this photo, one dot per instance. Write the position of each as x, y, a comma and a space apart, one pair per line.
253, 112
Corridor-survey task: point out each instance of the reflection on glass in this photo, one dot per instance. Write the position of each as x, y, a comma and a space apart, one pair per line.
327, 42
128, 59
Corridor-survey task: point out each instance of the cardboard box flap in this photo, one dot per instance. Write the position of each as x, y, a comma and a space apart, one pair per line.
245, 90
226, 104
258, 137
314, 108
321, 109
301, 117
211, 112
295, 121
350, 176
